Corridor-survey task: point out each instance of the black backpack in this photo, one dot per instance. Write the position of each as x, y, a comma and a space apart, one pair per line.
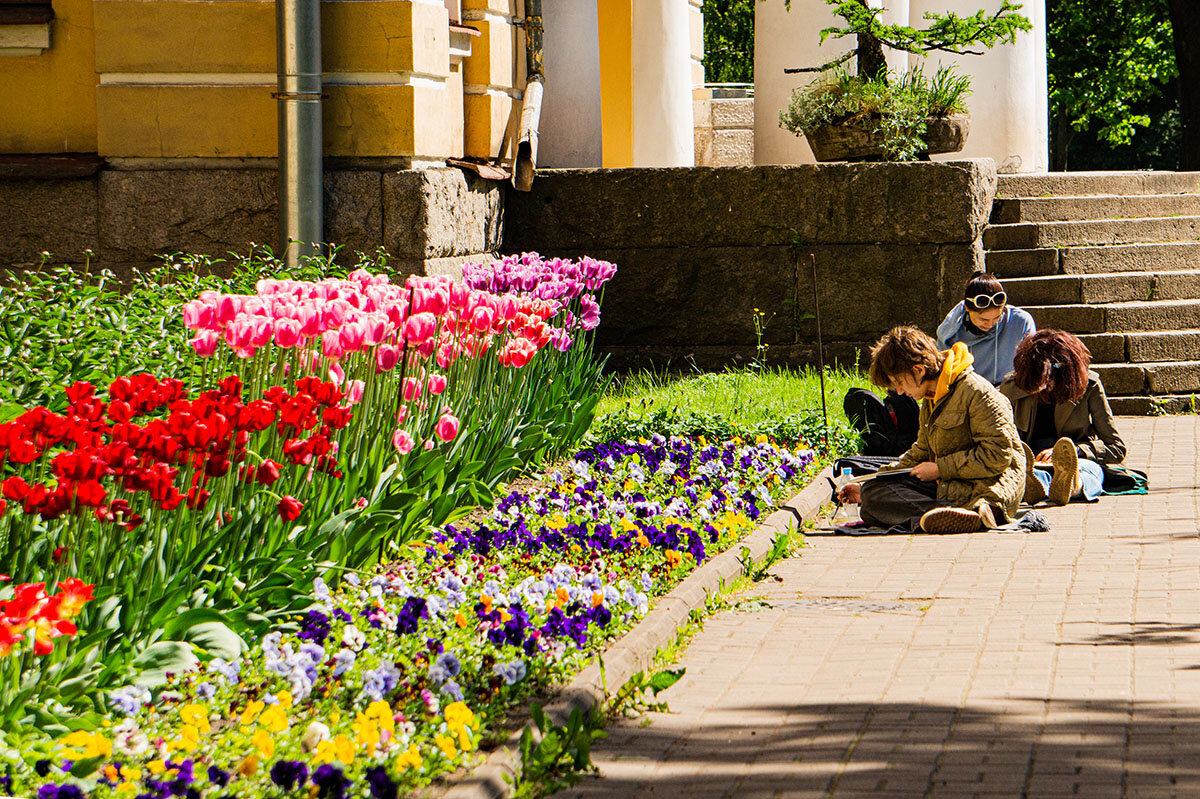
888, 426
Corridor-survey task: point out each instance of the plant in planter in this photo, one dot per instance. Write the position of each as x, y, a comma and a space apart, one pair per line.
898, 116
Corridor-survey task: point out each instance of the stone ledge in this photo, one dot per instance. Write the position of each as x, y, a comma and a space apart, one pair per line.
635, 650
906, 203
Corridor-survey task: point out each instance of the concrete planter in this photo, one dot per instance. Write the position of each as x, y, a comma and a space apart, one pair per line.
851, 141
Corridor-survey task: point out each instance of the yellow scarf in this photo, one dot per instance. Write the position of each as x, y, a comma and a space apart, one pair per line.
958, 361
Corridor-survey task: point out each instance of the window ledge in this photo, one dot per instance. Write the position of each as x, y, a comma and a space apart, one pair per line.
24, 39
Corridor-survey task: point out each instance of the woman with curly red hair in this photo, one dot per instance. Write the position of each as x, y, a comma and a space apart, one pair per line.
1063, 418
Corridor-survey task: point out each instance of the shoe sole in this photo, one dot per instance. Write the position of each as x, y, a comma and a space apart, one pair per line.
951, 520
1034, 491
1066, 471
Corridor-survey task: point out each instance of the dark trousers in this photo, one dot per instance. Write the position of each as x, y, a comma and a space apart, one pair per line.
898, 501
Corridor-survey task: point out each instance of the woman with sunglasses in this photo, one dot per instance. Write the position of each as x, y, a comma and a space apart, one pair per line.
988, 325
1063, 418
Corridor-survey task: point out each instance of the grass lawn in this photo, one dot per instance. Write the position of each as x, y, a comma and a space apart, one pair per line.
743, 396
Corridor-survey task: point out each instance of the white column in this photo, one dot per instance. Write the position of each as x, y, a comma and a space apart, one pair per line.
1008, 101
895, 12
570, 128
784, 39
663, 128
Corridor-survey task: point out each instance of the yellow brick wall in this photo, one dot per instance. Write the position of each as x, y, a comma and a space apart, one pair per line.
493, 76
48, 101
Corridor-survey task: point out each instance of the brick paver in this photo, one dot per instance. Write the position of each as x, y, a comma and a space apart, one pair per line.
1060, 664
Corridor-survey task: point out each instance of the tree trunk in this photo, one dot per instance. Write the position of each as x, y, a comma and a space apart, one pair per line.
1185, 20
1063, 134
870, 56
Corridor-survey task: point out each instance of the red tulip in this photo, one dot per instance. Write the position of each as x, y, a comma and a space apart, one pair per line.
268, 472
289, 508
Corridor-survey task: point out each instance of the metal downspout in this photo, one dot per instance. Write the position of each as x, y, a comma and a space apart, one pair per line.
298, 49
525, 167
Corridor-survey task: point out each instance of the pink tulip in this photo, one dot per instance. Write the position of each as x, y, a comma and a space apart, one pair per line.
262, 329
331, 344
402, 441
412, 388
337, 375
447, 427
352, 335
419, 328
459, 295
429, 445
437, 384
287, 333
426, 347
482, 319
508, 307
374, 329
354, 393
197, 314
205, 343
310, 321
386, 358
402, 414
228, 307
238, 334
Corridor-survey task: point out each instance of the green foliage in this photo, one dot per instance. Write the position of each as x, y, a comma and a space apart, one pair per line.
561, 755
1102, 75
729, 41
631, 700
898, 108
781, 547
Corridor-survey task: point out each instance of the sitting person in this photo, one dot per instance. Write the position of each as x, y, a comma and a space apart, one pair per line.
1063, 417
988, 325
968, 470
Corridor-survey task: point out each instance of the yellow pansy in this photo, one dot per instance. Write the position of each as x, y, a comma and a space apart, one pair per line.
156, 767
487, 603
196, 715
460, 619
111, 773
285, 699
642, 539
249, 765
366, 731
642, 440
761, 438
627, 525
131, 774
251, 712
381, 712
458, 714
189, 738
92, 744
264, 743
561, 595
274, 718
340, 748
464, 739
703, 441
630, 486
410, 758
556, 522
126, 788
446, 744
673, 557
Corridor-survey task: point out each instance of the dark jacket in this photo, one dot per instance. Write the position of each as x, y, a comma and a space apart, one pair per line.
970, 435
1089, 422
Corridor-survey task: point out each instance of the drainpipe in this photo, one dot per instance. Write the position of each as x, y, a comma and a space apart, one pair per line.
531, 104
298, 50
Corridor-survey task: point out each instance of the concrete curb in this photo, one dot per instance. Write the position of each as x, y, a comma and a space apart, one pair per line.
635, 650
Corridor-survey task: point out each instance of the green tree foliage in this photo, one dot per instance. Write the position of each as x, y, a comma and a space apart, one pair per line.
1105, 59
947, 33
729, 41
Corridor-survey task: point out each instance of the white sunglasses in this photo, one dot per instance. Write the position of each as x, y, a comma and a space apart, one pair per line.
981, 302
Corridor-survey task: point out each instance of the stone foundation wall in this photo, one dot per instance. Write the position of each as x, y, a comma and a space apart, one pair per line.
700, 250
724, 131
428, 220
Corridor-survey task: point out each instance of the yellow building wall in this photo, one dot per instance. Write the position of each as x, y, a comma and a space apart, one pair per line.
48, 101
615, 18
493, 77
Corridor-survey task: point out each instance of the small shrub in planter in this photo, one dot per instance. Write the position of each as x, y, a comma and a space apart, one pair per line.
899, 117
876, 114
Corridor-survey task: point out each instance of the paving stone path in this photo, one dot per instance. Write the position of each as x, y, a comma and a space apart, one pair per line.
1045, 665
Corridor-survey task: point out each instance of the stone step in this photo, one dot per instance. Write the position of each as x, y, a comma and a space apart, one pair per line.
1119, 317
1032, 235
1167, 377
1120, 287
1149, 406
1099, 206
1163, 257
1074, 184
1160, 345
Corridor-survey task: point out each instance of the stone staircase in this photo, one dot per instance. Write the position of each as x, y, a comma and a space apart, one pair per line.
1113, 257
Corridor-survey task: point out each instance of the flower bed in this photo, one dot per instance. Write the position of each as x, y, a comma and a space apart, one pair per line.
395, 679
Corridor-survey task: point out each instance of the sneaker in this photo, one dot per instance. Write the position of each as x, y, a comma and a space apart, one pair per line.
1035, 492
951, 520
1065, 481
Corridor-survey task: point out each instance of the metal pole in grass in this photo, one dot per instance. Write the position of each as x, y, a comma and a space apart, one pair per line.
820, 351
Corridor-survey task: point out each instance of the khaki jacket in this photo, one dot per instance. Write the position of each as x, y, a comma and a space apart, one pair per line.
1089, 422
971, 436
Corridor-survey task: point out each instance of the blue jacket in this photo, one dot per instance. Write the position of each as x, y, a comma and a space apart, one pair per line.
994, 350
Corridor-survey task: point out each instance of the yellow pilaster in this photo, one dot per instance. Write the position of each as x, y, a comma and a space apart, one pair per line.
616, 80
